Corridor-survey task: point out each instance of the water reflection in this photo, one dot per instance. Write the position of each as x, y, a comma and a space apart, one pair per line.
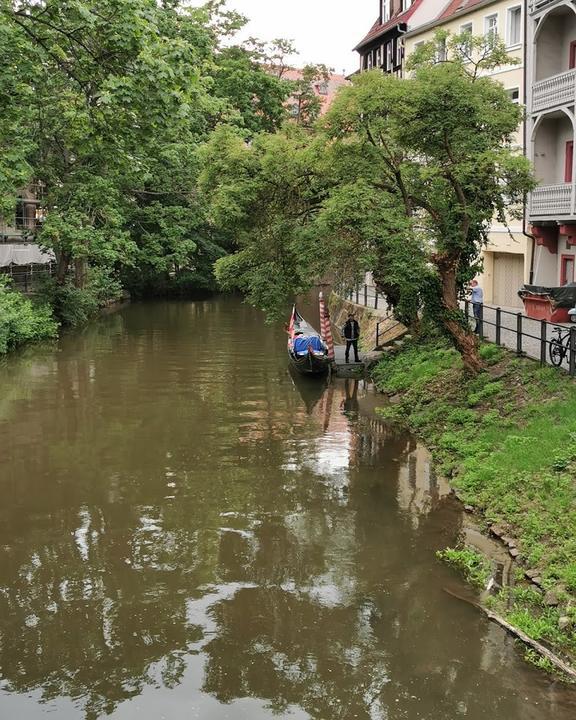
189, 531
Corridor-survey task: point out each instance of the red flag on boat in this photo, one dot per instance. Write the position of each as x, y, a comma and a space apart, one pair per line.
326, 327
291, 323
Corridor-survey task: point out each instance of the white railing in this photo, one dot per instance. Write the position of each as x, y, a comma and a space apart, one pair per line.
554, 91
539, 5
551, 200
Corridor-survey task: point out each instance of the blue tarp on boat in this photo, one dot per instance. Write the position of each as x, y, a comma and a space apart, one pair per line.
303, 342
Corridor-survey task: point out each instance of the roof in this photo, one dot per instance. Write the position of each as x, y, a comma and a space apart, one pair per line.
379, 28
333, 84
457, 6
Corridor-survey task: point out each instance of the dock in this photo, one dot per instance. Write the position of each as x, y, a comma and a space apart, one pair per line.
344, 369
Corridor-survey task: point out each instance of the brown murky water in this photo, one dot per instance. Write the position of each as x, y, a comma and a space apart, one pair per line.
186, 531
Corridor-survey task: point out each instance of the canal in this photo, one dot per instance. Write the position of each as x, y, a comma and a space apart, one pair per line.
187, 531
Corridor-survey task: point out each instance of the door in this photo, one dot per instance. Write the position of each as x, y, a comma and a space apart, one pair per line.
568, 164
508, 279
572, 59
567, 269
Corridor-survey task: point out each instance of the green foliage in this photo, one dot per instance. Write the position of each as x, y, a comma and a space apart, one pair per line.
108, 106
473, 565
22, 320
414, 368
402, 177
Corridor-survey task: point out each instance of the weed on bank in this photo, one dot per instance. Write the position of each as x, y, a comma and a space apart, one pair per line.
507, 440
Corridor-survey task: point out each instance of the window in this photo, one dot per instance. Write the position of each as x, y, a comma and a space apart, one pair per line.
491, 26
399, 52
323, 88
567, 269
441, 53
514, 94
389, 57
466, 44
379, 56
385, 10
406, 4
572, 57
514, 26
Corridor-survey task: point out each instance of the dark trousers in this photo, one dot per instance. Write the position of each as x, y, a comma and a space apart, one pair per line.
352, 344
477, 310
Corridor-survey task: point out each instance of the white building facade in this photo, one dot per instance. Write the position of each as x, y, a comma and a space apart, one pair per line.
551, 131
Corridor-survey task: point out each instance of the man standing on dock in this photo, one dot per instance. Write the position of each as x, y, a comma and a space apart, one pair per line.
351, 333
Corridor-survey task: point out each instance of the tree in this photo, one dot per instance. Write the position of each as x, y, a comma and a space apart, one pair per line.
108, 105
403, 177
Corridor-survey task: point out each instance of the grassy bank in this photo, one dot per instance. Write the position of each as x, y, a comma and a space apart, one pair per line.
507, 440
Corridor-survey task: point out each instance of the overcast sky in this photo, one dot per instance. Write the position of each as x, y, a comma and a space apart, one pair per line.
324, 31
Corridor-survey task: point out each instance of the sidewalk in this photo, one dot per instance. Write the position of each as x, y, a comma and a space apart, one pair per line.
531, 340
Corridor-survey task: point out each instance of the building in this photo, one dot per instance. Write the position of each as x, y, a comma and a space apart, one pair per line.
324, 87
508, 256
383, 46
551, 127
20, 257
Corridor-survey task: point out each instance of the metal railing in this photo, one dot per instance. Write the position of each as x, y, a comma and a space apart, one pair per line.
366, 296
26, 278
525, 336
378, 346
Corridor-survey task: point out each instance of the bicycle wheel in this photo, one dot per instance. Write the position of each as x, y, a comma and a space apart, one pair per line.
556, 351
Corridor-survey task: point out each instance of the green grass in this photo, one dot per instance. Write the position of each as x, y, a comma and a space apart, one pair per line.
473, 565
507, 440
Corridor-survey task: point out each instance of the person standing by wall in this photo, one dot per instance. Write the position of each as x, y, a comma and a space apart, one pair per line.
351, 333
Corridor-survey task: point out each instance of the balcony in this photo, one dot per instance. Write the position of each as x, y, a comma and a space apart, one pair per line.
537, 6
554, 92
552, 201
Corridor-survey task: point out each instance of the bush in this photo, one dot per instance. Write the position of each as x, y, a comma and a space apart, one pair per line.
22, 320
75, 306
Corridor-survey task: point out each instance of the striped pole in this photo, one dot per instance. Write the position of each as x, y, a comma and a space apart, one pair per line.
325, 327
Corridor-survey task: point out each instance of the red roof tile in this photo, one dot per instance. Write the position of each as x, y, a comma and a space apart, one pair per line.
380, 28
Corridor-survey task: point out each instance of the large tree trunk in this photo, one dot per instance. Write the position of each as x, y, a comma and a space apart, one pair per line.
80, 273
63, 262
463, 338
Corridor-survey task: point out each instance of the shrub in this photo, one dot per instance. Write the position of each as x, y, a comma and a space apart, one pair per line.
22, 320
75, 306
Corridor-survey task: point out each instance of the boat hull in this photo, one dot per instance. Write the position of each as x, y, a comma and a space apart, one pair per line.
309, 364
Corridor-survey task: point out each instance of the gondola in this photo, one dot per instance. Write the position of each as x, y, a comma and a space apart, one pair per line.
307, 352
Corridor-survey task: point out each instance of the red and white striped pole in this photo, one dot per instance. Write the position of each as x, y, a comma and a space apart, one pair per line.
325, 327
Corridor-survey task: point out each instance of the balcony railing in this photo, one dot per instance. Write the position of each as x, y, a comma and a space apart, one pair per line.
554, 91
536, 6
552, 200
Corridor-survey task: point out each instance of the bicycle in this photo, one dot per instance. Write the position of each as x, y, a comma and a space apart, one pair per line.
559, 346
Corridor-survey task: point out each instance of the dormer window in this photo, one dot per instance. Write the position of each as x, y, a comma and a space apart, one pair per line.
385, 10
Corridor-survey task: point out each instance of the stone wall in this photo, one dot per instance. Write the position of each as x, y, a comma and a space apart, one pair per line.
368, 318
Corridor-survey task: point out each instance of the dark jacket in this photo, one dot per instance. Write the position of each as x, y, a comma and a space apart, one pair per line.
351, 330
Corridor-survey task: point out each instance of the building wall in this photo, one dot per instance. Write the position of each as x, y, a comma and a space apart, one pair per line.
511, 77
546, 267
554, 40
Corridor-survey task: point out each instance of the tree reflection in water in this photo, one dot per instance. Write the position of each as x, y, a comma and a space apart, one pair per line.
169, 506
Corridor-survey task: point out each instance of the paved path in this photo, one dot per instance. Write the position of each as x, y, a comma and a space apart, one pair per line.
531, 331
